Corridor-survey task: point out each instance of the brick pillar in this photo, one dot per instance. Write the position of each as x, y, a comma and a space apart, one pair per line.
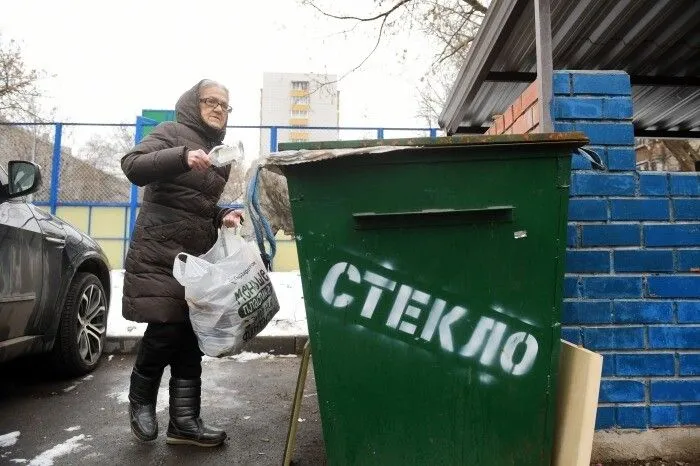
600, 105
632, 288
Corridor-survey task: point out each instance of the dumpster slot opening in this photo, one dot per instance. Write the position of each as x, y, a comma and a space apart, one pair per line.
433, 217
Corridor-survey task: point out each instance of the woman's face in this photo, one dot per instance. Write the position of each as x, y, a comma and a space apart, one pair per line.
213, 105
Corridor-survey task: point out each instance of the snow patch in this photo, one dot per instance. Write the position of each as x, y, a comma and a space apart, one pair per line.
46, 458
246, 356
7, 440
161, 404
121, 397
72, 429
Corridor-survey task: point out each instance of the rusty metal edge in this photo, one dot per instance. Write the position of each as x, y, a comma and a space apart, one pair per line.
572, 138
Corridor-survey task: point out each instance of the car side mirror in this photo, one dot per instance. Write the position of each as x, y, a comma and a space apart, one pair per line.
24, 178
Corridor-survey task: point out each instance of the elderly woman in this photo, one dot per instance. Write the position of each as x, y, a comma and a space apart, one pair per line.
179, 214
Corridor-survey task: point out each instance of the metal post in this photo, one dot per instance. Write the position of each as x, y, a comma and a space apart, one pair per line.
433, 133
380, 133
273, 139
55, 168
134, 195
543, 36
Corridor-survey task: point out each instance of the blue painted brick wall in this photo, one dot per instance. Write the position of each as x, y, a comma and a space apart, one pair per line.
587, 312
686, 209
688, 312
609, 365
625, 391
611, 235
617, 108
689, 364
578, 108
632, 287
588, 209
620, 158
571, 236
685, 184
653, 184
690, 415
632, 417
675, 390
606, 338
612, 287
643, 312
587, 261
672, 235
674, 337
639, 260
572, 334
612, 133
605, 417
664, 415
675, 286
639, 365
688, 260
640, 209
595, 184
608, 83
561, 83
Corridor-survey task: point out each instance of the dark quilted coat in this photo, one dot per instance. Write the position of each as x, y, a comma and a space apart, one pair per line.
179, 211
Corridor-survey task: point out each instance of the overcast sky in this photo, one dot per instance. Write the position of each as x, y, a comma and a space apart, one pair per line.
111, 59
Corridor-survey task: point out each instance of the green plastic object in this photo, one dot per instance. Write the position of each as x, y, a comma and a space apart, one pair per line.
433, 280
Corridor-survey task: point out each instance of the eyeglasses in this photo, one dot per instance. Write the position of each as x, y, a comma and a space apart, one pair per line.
213, 103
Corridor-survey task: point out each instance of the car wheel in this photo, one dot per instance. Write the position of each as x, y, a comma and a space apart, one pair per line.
81, 333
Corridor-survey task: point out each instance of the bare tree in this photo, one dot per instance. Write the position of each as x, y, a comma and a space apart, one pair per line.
18, 83
667, 155
451, 24
105, 152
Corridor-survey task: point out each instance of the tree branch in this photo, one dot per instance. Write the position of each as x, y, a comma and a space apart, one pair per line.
369, 18
476, 4
376, 45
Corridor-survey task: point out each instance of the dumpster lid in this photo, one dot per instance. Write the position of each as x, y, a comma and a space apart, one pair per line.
306, 152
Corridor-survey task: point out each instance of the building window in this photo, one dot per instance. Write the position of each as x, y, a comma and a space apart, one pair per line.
300, 100
300, 86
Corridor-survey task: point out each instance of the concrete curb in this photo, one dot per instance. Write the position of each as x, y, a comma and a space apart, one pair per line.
289, 344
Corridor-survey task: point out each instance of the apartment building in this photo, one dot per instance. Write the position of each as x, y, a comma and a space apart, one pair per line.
300, 100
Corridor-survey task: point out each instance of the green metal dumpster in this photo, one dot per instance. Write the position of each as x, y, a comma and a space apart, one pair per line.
432, 272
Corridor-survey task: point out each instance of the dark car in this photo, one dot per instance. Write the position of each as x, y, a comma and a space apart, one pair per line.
54, 280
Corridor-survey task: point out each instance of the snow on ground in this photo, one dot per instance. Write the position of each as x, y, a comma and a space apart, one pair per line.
7, 440
289, 321
62, 449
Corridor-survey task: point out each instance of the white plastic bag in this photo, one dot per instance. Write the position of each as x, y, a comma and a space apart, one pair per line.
230, 296
223, 155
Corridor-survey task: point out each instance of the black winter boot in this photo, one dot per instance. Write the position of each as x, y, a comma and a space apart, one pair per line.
186, 427
142, 410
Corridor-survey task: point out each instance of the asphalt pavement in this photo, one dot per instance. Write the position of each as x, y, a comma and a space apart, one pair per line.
46, 420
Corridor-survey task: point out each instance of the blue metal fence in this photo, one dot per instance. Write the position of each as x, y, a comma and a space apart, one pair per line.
53, 199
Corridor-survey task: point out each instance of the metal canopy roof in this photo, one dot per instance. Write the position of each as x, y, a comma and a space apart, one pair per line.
657, 42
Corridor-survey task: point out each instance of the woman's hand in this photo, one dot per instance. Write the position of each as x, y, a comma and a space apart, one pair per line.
233, 219
198, 160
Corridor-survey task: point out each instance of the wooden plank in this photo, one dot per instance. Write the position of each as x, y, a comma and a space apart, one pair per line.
296, 405
577, 401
